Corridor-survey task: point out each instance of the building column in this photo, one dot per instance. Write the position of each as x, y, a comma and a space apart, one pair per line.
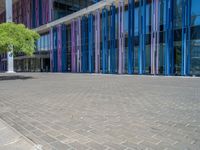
142, 37
73, 46
169, 38
55, 49
97, 41
186, 23
49, 15
90, 43
78, 44
104, 40
84, 35
51, 49
112, 40
64, 47
131, 9
10, 59
59, 47
121, 67
53, 33
155, 38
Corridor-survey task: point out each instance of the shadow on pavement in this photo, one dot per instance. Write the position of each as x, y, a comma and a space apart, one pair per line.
15, 77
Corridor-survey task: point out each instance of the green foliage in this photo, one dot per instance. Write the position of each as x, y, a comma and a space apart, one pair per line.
19, 37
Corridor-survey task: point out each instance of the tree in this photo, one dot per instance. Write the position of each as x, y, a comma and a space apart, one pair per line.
17, 36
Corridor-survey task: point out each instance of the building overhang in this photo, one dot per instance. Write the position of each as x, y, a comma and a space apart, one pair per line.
67, 19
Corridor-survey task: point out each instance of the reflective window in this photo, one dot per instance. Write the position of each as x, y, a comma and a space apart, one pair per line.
148, 17
136, 18
195, 8
43, 44
126, 21
195, 12
195, 57
178, 13
66, 7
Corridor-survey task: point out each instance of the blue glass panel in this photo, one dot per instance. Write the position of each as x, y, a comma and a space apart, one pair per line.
195, 8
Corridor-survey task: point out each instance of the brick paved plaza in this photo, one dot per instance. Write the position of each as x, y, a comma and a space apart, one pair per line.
111, 112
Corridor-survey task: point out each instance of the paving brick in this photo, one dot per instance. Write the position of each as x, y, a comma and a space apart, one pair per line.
61, 137
48, 139
38, 132
96, 146
10, 139
60, 146
78, 146
116, 146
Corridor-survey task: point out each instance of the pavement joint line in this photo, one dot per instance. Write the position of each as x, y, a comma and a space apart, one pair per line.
127, 75
17, 132
13, 141
3, 128
135, 75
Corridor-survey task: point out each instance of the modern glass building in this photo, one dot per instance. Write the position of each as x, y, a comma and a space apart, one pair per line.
153, 37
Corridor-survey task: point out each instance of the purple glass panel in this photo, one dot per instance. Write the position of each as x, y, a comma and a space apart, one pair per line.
153, 39
50, 9
59, 48
43, 11
28, 9
78, 44
47, 11
51, 49
157, 35
37, 12
73, 47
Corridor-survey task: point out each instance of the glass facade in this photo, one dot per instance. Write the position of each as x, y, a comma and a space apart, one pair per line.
195, 41
43, 44
158, 37
63, 8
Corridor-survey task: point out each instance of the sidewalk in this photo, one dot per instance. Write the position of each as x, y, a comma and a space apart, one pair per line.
10, 139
